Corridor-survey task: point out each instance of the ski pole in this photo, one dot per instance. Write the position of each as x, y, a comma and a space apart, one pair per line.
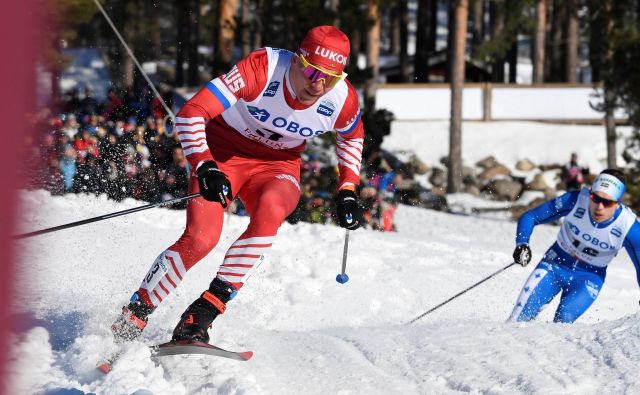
460, 293
343, 278
103, 217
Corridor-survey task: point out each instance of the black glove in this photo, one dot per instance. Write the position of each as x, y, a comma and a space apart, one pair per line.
214, 184
349, 212
522, 254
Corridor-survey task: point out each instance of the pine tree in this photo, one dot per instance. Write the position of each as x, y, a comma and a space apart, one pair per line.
622, 81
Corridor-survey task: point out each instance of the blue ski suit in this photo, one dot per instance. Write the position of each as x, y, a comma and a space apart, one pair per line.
576, 263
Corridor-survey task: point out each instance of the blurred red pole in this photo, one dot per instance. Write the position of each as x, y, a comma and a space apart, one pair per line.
17, 47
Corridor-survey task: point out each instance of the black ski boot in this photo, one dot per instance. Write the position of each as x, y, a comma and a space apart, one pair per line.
196, 320
132, 321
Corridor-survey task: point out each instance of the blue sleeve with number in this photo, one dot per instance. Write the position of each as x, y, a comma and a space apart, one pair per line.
546, 212
632, 245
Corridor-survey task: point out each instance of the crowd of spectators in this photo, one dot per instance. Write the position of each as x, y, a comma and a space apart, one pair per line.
121, 148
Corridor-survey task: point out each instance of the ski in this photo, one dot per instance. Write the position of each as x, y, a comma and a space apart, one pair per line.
182, 347
196, 347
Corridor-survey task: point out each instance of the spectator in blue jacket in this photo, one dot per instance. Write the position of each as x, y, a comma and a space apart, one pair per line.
68, 167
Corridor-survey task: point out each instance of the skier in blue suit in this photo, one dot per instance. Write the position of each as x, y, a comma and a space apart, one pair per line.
596, 226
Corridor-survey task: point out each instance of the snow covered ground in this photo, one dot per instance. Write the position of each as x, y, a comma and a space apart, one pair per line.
310, 334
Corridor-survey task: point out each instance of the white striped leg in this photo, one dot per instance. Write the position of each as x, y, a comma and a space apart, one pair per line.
242, 257
526, 292
165, 275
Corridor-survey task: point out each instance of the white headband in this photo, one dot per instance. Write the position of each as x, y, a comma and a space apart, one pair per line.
610, 185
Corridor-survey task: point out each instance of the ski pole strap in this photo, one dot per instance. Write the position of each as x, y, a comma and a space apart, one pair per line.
103, 217
460, 293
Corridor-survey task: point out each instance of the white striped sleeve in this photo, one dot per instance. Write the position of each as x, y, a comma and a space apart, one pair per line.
191, 134
349, 153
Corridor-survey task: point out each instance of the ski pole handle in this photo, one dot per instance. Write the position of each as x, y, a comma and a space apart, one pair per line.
343, 278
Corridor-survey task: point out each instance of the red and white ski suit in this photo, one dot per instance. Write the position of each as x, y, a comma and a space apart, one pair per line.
250, 124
